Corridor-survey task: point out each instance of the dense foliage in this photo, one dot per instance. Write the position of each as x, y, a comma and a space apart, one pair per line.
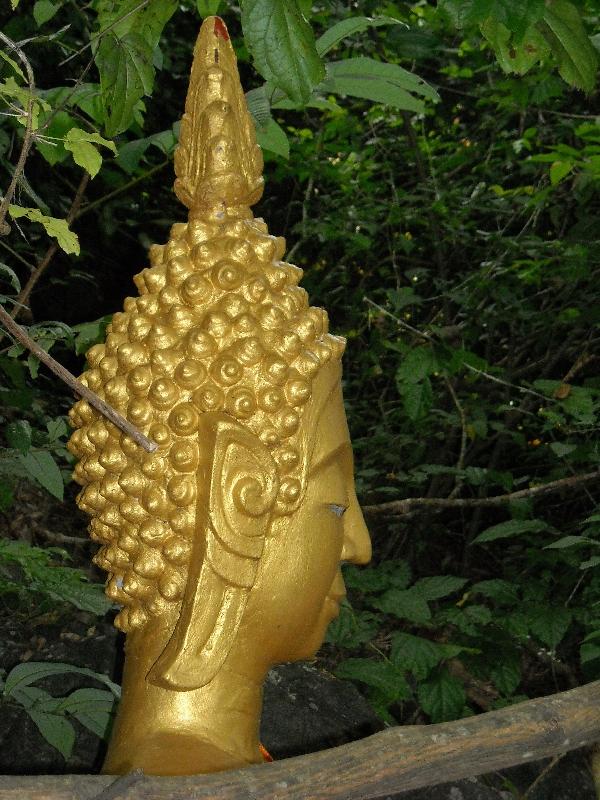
446, 221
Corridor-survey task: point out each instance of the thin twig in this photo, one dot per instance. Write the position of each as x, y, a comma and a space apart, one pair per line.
543, 774
463, 438
121, 189
402, 506
400, 322
27, 138
21, 336
24, 294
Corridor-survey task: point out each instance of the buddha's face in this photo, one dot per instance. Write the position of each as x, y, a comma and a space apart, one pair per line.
299, 584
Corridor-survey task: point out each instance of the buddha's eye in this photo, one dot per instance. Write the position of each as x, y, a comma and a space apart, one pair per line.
338, 510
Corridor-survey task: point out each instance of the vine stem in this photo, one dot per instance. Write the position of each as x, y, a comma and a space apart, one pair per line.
107, 411
27, 138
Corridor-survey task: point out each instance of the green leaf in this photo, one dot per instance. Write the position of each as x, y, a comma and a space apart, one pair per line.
352, 628
560, 170
405, 604
442, 697
562, 27
81, 145
418, 655
12, 277
57, 228
207, 8
282, 45
44, 10
506, 674
23, 675
272, 137
350, 26
12, 63
377, 81
562, 449
514, 56
56, 730
382, 675
501, 591
126, 75
438, 586
569, 541
18, 435
549, 623
591, 562
418, 364
132, 152
417, 398
513, 527
258, 105
91, 707
43, 468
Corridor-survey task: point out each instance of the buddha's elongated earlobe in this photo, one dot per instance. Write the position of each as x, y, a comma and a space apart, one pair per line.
233, 517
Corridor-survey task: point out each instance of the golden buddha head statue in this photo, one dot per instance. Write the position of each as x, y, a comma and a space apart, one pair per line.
230, 535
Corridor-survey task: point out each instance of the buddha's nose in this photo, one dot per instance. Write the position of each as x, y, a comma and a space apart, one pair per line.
357, 542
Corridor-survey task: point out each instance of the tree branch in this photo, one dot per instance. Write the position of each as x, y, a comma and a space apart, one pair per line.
395, 760
27, 138
21, 336
23, 298
403, 506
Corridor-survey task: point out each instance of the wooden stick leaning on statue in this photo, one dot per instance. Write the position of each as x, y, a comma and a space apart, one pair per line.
398, 759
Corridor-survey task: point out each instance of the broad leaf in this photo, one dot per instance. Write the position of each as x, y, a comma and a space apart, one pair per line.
377, 81
44, 10
405, 604
92, 707
442, 697
563, 29
57, 228
513, 527
271, 136
549, 623
81, 145
23, 675
382, 675
438, 586
418, 655
42, 467
126, 75
56, 730
282, 45
350, 26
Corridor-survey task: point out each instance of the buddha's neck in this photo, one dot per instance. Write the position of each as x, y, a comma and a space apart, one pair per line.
167, 732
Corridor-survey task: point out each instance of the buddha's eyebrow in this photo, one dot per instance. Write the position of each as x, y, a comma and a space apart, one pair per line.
328, 458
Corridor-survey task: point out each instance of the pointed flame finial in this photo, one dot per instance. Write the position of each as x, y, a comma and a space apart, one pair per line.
217, 163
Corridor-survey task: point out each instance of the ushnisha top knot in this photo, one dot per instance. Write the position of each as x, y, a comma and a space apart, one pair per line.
218, 163
220, 325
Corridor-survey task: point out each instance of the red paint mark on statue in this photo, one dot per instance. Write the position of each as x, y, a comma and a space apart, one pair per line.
220, 29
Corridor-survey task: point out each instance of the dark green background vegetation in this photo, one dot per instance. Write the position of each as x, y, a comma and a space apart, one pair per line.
451, 231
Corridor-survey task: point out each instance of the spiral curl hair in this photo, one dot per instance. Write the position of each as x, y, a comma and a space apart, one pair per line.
220, 325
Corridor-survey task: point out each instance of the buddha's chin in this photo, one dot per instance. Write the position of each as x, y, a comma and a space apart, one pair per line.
329, 611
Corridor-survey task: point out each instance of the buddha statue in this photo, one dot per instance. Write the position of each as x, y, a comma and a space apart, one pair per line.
223, 547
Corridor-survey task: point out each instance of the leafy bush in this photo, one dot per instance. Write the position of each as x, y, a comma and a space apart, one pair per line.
92, 708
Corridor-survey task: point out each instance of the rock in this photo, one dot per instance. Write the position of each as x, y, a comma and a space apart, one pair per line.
306, 709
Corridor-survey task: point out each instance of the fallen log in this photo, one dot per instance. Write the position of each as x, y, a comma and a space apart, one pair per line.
396, 760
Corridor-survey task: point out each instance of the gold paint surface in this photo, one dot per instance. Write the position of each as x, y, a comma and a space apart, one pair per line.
223, 548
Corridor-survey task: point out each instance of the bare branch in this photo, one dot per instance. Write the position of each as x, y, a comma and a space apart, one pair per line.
21, 336
395, 760
396, 507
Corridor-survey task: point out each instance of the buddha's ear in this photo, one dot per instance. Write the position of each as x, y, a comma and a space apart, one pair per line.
237, 489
